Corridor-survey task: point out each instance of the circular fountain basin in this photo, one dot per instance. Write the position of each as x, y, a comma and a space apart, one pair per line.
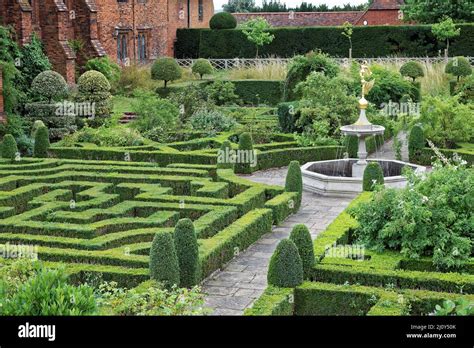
334, 177
362, 130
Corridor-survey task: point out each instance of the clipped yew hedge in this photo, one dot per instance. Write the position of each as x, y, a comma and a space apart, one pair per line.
370, 41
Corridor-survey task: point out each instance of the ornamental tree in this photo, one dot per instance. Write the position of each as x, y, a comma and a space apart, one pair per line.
166, 69
445, 30
256, 31
412, 70
347, 31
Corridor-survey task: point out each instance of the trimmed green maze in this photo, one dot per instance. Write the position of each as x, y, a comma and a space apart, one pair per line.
101, 216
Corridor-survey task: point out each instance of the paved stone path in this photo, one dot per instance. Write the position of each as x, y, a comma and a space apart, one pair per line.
387, 151
235, 288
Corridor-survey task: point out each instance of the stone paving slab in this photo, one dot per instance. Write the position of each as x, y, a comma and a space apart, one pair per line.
235, 288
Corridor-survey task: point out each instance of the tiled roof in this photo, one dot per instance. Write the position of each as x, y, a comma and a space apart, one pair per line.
386, 5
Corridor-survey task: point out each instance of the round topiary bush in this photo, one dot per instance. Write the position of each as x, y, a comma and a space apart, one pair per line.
202, 67
94, 88
9, 147
245, 150
166, 69
36, 125
373, 175
187, 251
286, 268
412, 70
416, 143
294, 181
302, 238
459, 67
224, 160
49, 86
41, 142
223, 20
164, 266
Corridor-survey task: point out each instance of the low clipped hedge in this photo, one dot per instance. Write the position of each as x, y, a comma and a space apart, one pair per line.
274, 301
403, 40
256, 92
427, 155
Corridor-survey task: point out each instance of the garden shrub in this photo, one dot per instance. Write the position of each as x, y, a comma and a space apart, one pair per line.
446, 121
49, 86
300, 68
164, 264
459, 67
187, 250
222, 159
190, 99
373, 175
223, 20
38, 291
202, 67
105, 66
294, 181
133, 78
221, 92
256, 92
389, 86
302, 238
326, 100
33, 61
36, 125
404, 219
288, 114
211, 121
105, 136
412, 69
465, 90
165, 69
9, 147
286, 268
153, 113
41, 142
416, 143
246, 146
93, 87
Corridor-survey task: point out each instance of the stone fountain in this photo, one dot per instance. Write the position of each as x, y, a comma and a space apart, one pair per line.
343, 177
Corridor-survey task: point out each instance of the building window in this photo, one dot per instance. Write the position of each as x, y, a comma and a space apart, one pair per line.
122, 51
200, 10
142, 47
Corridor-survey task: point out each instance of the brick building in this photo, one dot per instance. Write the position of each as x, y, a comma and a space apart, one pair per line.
381, 12
125, 30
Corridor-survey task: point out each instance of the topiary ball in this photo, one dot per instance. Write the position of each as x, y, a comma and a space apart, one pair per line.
9, 147
224, 156
294, 181
373, 175
412, 70
223, 20
202, 67
302, 238
166, 69
164, 266
41, 142
416, 143
459, 67
286, 268
93, 82
49, 86
187, 251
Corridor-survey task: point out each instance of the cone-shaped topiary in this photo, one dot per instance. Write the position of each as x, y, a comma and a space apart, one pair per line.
416, 143
294, 181
187, 250
202, 67
412, 69
245, 150
224, 157
9, 147
41, 142
373, 175
223, 20
285, 269
302, 238
164, 266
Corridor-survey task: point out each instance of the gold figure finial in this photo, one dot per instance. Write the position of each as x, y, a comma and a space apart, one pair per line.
367, 84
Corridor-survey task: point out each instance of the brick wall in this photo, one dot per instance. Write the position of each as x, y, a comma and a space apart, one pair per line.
381, 17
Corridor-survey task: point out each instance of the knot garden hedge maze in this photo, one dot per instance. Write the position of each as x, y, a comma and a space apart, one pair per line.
101, 216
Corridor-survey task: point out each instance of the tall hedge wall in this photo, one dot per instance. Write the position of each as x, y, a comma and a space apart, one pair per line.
371, 41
